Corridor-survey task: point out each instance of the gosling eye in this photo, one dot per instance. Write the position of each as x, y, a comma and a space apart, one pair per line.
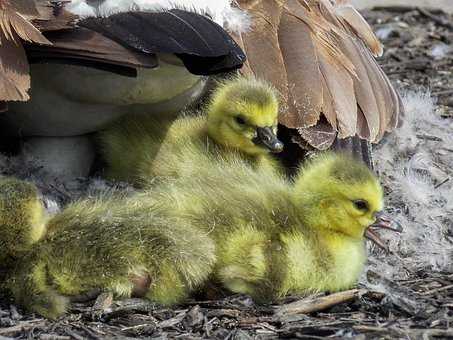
361, 205
240, 120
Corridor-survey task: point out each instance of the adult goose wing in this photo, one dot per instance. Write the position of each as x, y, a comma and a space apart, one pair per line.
322, 60
203, 46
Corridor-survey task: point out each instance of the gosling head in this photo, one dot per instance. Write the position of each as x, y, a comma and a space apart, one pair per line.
243, 114
342, 196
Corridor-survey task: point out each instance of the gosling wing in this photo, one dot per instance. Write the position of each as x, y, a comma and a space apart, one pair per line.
325, 52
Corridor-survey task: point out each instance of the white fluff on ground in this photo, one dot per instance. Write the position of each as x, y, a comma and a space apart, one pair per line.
415, 164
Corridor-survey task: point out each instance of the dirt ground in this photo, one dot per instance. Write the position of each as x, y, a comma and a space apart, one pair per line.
446, 5
417, 302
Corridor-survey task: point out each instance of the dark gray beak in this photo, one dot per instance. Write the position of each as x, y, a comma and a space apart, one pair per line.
382, 222
268, 139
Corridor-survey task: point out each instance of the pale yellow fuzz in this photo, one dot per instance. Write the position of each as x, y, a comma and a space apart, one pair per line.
67, 283
242, 259
337, 266
22, 217
38, 220
169, 288
122, 288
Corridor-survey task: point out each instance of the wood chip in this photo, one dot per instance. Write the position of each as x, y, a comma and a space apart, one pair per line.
316, 304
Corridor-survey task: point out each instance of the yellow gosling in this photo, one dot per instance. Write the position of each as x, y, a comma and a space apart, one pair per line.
241, 117
247, 228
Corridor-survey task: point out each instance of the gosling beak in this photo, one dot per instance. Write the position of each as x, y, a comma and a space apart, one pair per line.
382, 222
267, 138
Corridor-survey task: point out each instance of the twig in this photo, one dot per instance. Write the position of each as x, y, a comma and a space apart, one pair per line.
434, 18
173, 321
401, 8
404, 9
310, 304
442, 183
442, 93
245, 322
414, 64
137, 327
363, 328
437, 290
140, 307
74, 334
103, 302
429, 137
21, 327
53, 337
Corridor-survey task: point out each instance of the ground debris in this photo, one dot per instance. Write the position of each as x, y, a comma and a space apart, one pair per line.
317, 303
418, 49
339, 315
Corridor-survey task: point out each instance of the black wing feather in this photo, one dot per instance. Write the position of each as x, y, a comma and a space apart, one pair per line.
203, 46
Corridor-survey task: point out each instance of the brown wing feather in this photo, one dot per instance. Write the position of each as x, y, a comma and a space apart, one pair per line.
26, 7
328, 48
395, 107
83, 44
15, 28
302, 69
358, 26
321, 136
264, 58
365, 95
341, 88
14, 70
327, 104
363, 130
381, 91
14, 24
53, 17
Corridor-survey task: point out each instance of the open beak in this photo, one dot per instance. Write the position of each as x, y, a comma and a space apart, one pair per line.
382, 222
268, 139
